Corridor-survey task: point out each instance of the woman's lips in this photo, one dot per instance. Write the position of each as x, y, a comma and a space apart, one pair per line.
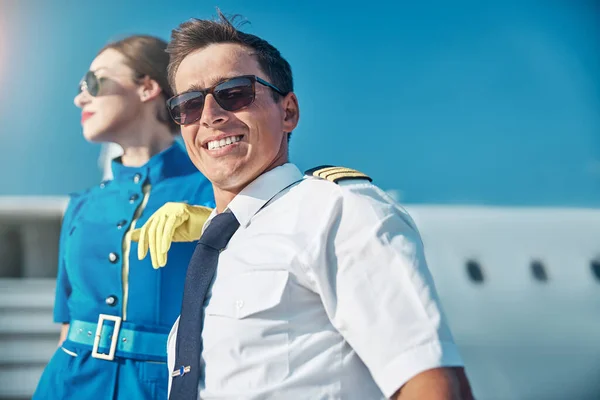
86, 115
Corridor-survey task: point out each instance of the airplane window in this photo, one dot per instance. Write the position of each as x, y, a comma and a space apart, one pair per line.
474, 271
11, 253
595, 265
538, 271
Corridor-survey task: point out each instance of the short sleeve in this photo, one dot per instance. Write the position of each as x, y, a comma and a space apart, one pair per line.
371, 273
63, 285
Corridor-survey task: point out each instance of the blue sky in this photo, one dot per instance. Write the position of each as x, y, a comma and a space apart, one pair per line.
445, 102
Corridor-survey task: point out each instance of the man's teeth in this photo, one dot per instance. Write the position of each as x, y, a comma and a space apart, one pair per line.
217, 144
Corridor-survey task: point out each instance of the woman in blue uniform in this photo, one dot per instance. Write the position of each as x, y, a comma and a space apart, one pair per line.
117, 311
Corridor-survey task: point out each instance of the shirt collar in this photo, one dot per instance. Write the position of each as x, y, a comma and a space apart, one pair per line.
171, 162
254, 196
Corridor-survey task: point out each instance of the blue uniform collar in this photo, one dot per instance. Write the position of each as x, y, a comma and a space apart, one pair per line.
171, 162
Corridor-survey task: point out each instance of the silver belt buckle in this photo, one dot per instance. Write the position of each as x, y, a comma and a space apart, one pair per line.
113, 340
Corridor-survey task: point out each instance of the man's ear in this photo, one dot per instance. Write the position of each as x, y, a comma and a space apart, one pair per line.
291, 112
149, 89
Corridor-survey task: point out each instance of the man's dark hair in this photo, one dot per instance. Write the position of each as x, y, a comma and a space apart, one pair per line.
197, 33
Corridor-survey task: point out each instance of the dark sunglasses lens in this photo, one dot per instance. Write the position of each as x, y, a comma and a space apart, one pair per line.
186, 108
92, 84
235, 93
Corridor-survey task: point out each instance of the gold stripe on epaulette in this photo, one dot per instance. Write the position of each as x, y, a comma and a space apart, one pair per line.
346, 175
335, 174
323, 173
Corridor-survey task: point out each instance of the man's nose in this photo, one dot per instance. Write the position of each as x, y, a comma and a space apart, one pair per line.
213, 114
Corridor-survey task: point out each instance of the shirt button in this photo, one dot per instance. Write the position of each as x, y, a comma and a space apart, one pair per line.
121, 224
136, 178
113, 257
111, 300
133, 198
239, 303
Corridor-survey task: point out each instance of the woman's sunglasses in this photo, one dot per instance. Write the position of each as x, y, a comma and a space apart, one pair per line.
90, 83
93, 83
231, 95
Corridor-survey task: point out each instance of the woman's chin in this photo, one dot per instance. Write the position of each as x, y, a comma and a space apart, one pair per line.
94, 135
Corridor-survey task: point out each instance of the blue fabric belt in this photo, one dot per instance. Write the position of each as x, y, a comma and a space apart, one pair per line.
131, 343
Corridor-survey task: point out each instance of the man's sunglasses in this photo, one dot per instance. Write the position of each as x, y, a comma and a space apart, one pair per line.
90, 83
231, 95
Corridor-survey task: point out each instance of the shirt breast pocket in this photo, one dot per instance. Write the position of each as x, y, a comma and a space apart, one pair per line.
249, 294
246, 331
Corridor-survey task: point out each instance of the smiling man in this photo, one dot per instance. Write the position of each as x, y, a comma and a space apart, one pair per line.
303, 286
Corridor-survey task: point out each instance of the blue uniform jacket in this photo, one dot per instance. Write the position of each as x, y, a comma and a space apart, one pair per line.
99, 274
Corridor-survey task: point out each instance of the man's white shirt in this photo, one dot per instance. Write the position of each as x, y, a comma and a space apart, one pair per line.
322, 293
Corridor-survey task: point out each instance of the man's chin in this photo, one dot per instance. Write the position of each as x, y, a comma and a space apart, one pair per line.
229, 181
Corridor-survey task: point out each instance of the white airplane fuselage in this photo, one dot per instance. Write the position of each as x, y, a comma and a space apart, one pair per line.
528, 324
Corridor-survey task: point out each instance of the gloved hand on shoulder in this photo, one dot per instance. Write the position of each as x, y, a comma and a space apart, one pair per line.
173, 222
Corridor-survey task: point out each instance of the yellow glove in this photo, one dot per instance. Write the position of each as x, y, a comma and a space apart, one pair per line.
173, 222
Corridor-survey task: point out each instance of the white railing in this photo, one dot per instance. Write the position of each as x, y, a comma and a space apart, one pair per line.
28, 337
29, 233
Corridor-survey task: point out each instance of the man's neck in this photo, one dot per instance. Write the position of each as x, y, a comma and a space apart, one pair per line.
224, 197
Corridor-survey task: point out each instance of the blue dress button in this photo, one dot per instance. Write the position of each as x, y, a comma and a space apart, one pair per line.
111, 300
121, 224
113, 257
133, 198
137, 178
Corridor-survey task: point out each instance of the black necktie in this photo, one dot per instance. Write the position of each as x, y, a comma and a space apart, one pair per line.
199, 277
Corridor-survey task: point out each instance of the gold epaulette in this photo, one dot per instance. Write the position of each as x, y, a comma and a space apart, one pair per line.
336, 174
